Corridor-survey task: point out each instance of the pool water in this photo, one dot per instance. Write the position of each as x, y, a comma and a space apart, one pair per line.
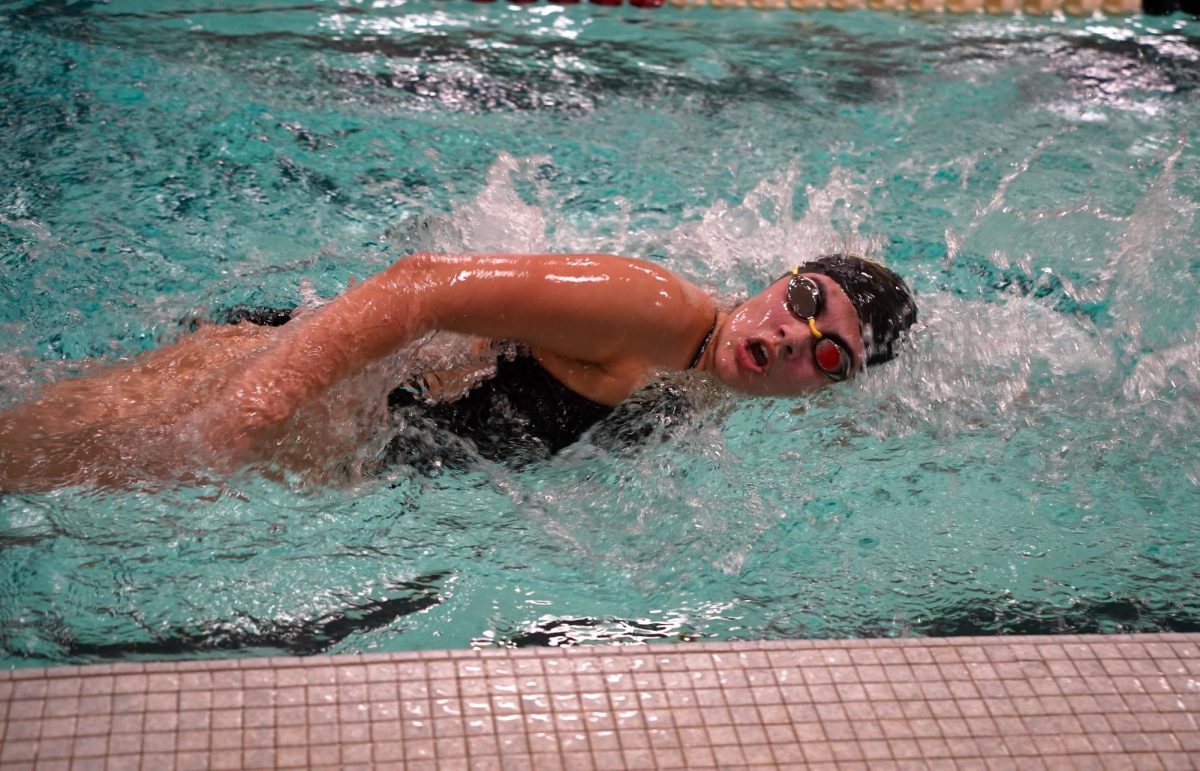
1031, 464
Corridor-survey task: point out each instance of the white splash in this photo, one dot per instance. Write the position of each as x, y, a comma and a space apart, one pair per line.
970, 361
498, 220
760, 236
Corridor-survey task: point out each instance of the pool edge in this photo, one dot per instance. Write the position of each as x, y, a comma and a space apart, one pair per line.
1061, 701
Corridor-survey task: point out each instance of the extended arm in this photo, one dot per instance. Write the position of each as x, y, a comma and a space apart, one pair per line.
616, 315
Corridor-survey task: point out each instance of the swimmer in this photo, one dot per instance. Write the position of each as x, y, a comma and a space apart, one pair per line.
588, 331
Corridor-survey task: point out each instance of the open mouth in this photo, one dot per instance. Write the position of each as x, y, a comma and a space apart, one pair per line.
758, 352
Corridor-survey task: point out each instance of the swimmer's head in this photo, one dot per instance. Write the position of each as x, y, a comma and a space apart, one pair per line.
884, 303
821, 323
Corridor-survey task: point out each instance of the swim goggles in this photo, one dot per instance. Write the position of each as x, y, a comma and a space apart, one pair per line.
804, 300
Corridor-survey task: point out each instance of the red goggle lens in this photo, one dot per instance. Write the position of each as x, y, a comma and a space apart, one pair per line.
831, 358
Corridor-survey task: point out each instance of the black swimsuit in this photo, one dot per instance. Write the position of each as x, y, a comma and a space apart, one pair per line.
520, 414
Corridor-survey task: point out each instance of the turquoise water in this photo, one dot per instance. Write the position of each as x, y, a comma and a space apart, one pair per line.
1031, 466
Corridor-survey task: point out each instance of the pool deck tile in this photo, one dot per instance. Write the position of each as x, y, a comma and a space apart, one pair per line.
1104, 702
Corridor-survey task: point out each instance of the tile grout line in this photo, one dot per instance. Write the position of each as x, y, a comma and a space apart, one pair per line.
765, 704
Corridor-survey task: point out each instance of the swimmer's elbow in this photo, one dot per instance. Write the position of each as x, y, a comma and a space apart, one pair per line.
415, 293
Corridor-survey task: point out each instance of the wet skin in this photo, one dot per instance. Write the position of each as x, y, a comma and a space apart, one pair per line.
764, 322
224, 397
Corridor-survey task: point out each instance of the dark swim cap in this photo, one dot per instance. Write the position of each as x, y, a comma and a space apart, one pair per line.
885, 304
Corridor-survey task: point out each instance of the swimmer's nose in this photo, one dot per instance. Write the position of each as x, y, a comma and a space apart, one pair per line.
790, 343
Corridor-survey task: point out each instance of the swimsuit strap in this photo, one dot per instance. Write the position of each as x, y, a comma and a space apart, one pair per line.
704, 343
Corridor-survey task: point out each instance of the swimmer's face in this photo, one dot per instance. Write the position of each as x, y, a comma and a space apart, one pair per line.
763, 349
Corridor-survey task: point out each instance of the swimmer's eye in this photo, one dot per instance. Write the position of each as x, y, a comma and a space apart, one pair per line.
832, 359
